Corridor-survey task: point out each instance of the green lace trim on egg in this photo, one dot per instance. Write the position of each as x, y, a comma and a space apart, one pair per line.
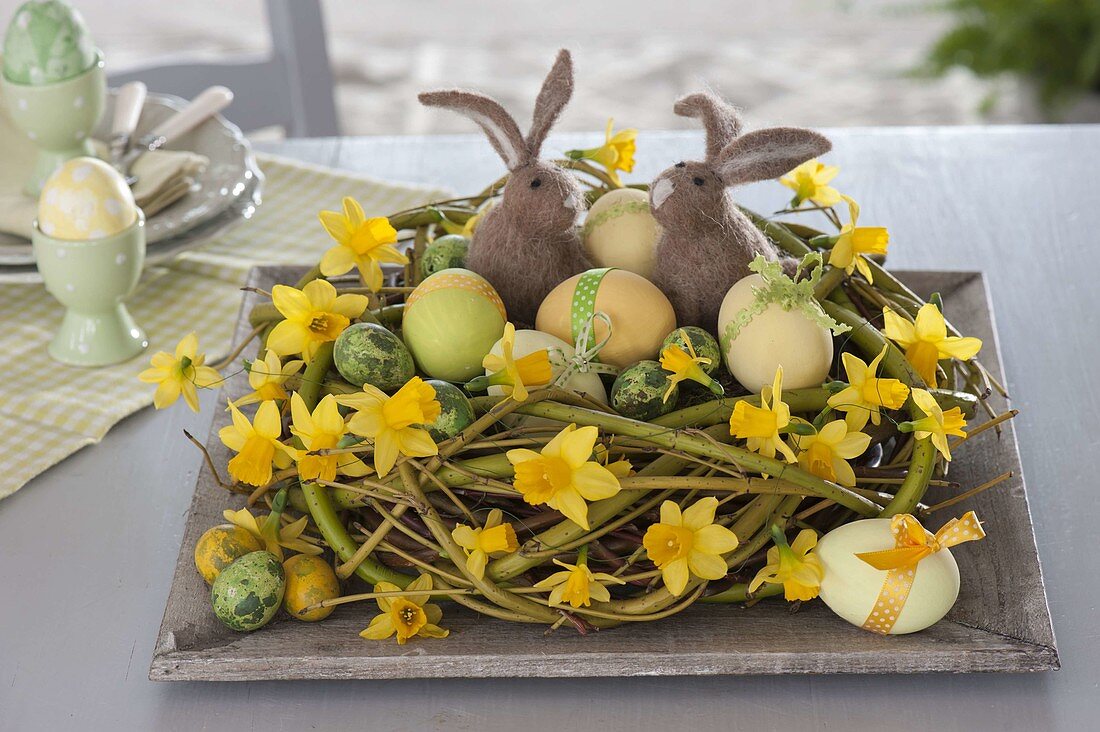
789, 294
615, 212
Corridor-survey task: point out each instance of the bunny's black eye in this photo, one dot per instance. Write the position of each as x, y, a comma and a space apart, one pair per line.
536, 182
681, 164
698, 181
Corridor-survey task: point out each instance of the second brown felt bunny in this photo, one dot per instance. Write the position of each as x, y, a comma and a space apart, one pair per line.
708, 243
529, 242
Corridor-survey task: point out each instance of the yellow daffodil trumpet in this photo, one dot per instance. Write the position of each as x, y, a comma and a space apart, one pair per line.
687, 366
615, 154
360, 242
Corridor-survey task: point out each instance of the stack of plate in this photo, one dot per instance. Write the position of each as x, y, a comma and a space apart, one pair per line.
226, 193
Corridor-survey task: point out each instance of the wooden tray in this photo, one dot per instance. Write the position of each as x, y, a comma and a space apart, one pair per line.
1000, 623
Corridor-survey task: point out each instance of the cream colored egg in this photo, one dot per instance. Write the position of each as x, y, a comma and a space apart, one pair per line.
851, 587
621, 232
529, 341
641, 316
773, 338
85, 199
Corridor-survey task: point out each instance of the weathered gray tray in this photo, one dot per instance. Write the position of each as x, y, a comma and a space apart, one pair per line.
1000, 623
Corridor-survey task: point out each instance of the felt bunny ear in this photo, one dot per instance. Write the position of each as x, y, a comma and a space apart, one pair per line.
720, 119
767, 154
554, 95
495, 122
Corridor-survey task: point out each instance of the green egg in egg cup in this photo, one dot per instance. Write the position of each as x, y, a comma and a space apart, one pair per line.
57, 117
92, 278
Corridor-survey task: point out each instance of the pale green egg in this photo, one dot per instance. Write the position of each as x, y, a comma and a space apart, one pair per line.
47, 42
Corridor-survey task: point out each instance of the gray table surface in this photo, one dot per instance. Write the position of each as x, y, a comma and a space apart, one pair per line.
87, 549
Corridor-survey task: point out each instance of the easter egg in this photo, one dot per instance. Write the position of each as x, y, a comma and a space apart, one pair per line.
47, 42
773, 338
85, 199
309, 580
639, 391
220, 546
620, 231
455, 411
529, 341
851, 587
446, 252
368, 353
248, 593
641, 316
703, 343
451, 320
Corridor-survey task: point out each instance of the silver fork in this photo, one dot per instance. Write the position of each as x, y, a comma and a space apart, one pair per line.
128, 106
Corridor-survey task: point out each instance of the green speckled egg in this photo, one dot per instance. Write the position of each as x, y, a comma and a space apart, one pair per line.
705, 345
639, 391
455, 413
45, 43
248, 593
444, 253
368, 353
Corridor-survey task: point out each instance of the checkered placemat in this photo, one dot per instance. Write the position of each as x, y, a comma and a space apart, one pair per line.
49, 411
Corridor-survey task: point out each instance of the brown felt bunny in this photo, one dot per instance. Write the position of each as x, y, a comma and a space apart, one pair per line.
708, 243
529, 242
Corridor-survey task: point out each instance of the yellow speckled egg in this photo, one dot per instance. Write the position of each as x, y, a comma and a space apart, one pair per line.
641, 315
309, 580
451, 321
773, 338
851, 587
621, 232
84, 199
220, 546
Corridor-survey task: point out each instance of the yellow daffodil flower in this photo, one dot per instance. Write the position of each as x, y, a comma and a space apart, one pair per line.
577, 584
256, 444
926, 341
408, 616
269, 529
494, 539
395, 424
267, 379
467, 229
794, 566
313, 315
827, 453
360, 242
854, 243
937, 423
322, 430
686, 366
617, 152
866, 394
512, 375
809, 182
179, 374
688, 543
562, 476
760, 426
620, 468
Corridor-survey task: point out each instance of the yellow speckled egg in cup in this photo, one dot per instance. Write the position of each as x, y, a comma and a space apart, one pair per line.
620, 231
451, 321
85, 199
641, 316
851, 587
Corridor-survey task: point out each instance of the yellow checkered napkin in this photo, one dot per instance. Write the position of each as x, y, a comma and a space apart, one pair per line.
49, 411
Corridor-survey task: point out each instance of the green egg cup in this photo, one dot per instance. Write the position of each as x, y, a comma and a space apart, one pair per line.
57, 117
91, 278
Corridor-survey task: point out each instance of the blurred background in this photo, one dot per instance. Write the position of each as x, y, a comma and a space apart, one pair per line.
811, 62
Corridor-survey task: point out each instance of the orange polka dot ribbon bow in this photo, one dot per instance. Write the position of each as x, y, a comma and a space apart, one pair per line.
913, 543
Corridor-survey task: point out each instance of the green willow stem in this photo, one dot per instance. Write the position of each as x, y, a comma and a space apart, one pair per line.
871, 341
740, 593
700, 446
316, 497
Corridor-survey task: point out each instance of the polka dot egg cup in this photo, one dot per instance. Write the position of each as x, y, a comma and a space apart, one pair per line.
57, 117
92, 278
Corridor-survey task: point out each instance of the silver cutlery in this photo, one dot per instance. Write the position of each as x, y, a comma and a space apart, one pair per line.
128, 106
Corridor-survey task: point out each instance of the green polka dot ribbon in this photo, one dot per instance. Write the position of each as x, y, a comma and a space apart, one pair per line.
584, 298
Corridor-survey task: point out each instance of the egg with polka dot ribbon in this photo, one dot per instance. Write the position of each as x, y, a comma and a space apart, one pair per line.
641, 316
85, 199
854, 590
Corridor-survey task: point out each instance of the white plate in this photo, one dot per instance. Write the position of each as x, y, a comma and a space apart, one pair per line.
227, 178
